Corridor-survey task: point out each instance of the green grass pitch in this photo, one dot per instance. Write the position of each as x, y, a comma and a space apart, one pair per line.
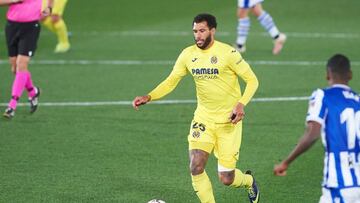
121, 49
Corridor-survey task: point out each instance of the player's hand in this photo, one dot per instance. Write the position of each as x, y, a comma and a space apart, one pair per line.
13, 69
237, 113
46, 12
140, 100
280, 169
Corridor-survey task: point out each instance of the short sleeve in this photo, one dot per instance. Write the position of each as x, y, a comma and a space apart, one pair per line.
317, 108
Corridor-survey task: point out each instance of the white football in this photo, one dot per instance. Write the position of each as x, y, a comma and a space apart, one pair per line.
156, 201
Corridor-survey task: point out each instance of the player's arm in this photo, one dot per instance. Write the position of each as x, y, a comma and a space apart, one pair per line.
48, 9
314, 119
243, 70
7, 2
311, 134
165, 87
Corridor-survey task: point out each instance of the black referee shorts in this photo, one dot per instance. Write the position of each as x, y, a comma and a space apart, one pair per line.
21, 38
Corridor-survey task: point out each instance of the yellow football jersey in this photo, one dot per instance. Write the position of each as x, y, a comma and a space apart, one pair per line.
215, 72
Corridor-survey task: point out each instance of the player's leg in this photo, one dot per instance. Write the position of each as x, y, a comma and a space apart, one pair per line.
26, 47
12, 61
266, 20
200, 180
227, 151
61, 33
60, 27
21, 77
243, 25
47, 22
234, 177
12, 42
268, 24
33, 93
200, 146
23, 72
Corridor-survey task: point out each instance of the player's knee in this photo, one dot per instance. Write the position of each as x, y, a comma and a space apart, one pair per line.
13, 61
257, 10
55, 18
242, 13
45, 19
22, 64
196, 168
226, 181
227, 178
198, 159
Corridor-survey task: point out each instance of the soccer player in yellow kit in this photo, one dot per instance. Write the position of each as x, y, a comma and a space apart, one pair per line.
56, 24
217, 123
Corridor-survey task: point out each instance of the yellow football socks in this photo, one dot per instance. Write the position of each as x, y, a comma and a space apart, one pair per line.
60, 29
203, 188
242, 179
61, 32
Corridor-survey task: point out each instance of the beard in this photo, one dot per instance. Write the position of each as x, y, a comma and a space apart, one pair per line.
206, 43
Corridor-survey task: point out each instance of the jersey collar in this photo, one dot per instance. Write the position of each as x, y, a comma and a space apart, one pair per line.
209, 49
341, 86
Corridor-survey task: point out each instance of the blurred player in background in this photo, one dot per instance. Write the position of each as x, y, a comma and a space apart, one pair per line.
56, 24
217, 123
334, 112
264, 18
22, 32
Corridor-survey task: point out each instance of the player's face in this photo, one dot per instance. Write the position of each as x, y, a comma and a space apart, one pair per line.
204, 37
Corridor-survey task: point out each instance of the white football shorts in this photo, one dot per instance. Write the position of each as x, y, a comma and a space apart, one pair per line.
346, 195
248, 3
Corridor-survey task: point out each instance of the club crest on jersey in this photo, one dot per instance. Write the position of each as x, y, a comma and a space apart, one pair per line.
214, 60
196, 134
197, 129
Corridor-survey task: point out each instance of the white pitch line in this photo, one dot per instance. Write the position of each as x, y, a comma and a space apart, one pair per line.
167, 62
315, 35
161, 102
157, 33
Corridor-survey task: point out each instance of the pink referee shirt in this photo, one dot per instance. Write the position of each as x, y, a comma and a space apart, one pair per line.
27, 11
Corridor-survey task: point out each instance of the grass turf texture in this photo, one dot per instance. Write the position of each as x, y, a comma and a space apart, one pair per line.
114, 154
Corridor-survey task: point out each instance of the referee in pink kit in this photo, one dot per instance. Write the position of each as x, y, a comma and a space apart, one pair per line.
22, 32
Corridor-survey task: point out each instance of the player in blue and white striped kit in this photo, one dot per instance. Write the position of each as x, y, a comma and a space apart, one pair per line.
334, 112
264, 19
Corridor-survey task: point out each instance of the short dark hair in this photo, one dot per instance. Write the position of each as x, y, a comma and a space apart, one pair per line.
339, 65
210, 19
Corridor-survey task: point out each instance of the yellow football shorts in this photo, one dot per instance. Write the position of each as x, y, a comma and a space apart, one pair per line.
223, 138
